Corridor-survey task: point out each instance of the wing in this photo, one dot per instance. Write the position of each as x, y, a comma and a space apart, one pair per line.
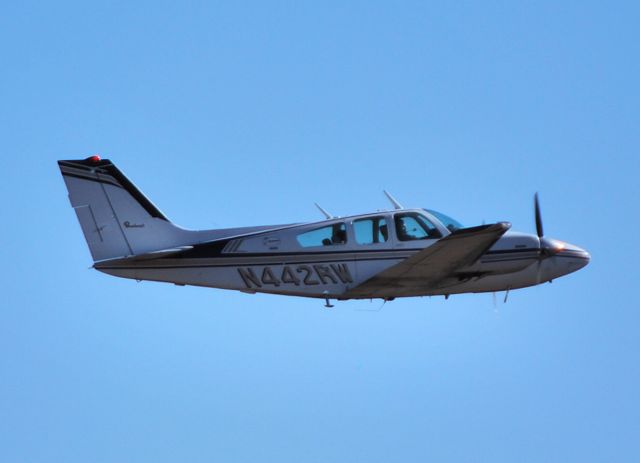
426, 268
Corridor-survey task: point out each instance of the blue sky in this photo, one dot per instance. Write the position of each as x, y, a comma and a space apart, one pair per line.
241, 113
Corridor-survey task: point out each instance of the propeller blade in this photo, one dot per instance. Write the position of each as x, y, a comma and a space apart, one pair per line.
539, 229
539, 271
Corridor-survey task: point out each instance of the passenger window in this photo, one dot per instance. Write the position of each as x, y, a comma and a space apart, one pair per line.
325, 236
371, 231
413, 226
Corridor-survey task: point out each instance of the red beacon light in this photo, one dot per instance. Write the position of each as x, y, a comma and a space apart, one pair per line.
95, 159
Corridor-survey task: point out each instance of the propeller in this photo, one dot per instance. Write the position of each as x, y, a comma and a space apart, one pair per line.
547, 249
536, 205
540, 231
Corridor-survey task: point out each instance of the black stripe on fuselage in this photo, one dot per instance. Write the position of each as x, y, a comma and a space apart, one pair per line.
509, 251
215, 248
289, 259
246, 264
258, 264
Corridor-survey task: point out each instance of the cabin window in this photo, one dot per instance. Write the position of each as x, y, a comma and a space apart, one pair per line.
413, 226
325, 236
370, 231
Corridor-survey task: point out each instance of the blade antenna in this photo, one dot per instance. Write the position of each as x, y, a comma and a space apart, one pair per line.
324, 212
395, 203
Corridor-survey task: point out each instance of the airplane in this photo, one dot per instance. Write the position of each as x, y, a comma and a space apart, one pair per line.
380, 255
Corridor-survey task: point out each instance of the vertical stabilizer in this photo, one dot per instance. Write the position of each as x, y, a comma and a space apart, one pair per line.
116, 218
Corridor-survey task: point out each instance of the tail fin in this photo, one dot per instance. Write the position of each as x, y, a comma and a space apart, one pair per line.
116, 218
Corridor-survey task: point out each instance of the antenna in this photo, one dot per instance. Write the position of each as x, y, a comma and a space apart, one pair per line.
395, 203
325, 213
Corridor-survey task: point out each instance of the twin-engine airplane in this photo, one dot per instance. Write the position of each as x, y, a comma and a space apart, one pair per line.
396, 253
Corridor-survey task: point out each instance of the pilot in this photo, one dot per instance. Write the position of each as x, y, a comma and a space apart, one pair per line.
339, 235
403, 234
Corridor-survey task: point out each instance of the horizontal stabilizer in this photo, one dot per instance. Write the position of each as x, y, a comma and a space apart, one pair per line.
142, 257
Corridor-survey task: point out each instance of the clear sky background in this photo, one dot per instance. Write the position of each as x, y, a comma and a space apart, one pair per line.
242, 113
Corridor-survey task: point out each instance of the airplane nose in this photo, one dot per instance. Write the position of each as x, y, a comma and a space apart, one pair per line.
585, 255
580, 256
557, 247
565, 258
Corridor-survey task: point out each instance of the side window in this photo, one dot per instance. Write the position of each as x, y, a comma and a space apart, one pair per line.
371, 231
413, 226
325, 236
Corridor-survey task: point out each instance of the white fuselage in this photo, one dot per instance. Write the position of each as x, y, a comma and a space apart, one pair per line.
277, 261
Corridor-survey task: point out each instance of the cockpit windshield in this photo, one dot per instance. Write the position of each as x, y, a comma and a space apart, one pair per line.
447, 221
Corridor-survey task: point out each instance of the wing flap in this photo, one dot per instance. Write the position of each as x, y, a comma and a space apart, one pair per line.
426, 268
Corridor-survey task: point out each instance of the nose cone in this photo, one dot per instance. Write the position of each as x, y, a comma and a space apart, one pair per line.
583, 255
564, 258
578, 256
